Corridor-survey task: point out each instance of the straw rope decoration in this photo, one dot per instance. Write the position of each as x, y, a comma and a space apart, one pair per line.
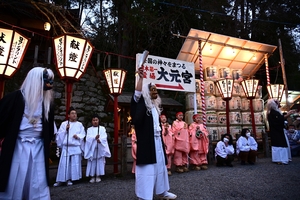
202, 85
267, 69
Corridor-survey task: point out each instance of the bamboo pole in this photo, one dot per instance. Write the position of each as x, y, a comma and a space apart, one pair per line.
282, 63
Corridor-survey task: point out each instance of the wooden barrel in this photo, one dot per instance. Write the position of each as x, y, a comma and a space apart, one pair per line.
209, 88
245, 104
210, 102
224, 72
246, 118
189, 101
235, 118
221, 118
237, 75
211, 117
235, 103
221, 104
211, 73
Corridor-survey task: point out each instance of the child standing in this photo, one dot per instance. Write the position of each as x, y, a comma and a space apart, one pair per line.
96, 149
182, 147
168, 138
199, 144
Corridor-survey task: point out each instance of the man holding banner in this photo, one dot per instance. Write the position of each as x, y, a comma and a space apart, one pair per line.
151, 172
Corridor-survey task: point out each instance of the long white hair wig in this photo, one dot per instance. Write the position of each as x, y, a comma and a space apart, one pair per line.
151, 102
271, 104
33, 91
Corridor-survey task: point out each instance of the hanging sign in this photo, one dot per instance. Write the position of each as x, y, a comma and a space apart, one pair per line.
168, 74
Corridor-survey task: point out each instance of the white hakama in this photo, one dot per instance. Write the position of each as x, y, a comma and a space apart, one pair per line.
280, 154
27, 179
69, 167
95, 152
152, 178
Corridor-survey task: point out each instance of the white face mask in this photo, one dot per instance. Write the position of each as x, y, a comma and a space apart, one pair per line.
225, 140
248, 134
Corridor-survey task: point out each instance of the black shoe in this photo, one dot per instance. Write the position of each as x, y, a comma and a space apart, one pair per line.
229, 165
251, 163
243, 163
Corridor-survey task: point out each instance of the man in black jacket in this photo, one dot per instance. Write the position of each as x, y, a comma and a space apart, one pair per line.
151, 171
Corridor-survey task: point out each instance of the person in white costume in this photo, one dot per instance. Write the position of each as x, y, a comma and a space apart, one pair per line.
151, 175
26, 121
246, 147
69, 138
95, 150
224, 151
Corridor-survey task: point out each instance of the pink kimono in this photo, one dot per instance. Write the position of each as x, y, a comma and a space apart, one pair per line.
182, 147
168, 138
133, 149
199, 144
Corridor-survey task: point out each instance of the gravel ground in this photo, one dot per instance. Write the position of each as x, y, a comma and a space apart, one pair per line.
264, 180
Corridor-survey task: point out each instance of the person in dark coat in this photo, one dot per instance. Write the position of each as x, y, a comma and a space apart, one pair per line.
276, 125
27, 127
151, 171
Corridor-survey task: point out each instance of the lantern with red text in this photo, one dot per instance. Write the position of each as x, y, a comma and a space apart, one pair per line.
72, 55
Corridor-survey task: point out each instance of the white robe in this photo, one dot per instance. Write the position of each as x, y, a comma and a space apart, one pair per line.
95, 152
153, 178
246, 144
281, 154
27, 179
222, 150
69, 167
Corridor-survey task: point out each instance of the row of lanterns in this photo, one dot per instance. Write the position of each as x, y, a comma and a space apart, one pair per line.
72, 56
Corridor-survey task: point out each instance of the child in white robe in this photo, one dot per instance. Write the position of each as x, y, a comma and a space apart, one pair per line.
95, 150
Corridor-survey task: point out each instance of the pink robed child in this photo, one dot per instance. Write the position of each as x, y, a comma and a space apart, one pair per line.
168, 138
133, 148
199, 144
182, 147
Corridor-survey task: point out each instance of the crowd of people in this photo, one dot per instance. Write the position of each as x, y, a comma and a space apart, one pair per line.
27, 120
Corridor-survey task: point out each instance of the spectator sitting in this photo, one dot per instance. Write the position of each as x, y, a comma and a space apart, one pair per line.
294, 139
246, 147
224, 151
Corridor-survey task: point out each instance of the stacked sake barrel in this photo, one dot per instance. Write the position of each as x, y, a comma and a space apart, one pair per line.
215, 106
259, 116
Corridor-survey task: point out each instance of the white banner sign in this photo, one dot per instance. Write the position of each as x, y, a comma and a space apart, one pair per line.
168, 74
